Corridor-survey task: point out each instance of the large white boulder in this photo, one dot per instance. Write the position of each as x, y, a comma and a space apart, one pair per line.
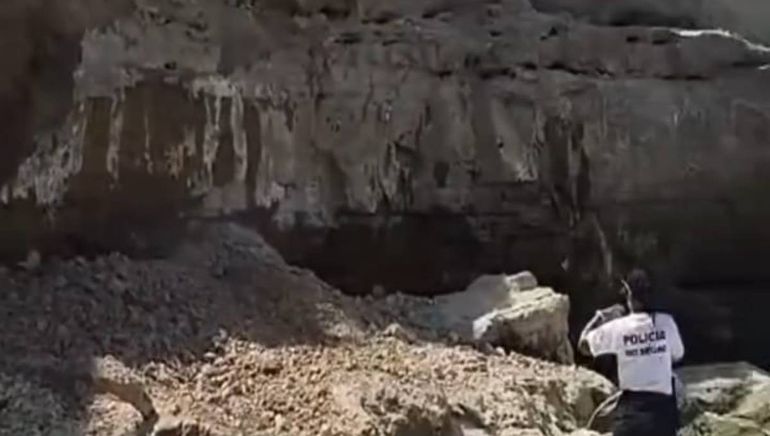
511, 312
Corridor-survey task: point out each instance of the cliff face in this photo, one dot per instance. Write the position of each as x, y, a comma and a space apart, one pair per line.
410, 143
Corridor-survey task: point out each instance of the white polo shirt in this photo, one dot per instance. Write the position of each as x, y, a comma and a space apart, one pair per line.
645, 346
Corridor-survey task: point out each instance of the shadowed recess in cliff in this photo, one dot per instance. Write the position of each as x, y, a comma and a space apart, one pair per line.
720, 322
41, 46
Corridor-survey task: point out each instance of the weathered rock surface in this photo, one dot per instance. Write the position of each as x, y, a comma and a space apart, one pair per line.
497, 312
756, 406
511, 312
475, 136
536, 323
710, 424
346, 117
719, 388
727, 399
744, 17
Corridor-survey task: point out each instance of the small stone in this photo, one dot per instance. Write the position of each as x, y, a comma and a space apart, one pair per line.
279, 421
207, 370
397, 331
210, 356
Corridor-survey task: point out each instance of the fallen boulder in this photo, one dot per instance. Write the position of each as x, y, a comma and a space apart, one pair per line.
511, 312
536, 324
720, 388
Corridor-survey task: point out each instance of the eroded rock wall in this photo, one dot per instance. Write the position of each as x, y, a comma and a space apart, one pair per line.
744, 17
412, 143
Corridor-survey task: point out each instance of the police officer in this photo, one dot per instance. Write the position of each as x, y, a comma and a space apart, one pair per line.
645, 344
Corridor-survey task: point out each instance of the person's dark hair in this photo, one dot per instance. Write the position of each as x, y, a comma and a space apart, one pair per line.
642, 290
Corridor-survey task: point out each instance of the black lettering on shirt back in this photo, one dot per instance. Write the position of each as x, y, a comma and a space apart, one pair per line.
648, 342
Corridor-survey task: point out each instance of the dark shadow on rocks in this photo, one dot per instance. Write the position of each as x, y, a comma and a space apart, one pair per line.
41, 46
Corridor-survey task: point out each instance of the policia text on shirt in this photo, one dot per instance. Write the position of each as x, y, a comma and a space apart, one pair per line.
657, 338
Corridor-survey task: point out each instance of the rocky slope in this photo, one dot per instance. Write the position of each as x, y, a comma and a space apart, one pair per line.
226, 339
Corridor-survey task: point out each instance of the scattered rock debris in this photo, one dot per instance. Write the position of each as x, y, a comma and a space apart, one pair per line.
225, 338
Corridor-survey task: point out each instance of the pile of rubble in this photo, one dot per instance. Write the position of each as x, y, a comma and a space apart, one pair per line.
225, 338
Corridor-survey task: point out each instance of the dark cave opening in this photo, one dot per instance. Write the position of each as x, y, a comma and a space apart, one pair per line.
724, 322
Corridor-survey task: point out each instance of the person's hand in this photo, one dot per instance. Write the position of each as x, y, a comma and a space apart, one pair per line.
612, 312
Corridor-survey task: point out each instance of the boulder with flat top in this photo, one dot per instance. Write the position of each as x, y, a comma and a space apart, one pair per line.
512, 312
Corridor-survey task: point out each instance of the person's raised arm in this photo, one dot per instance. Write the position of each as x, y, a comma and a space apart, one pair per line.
595, 322
600, 318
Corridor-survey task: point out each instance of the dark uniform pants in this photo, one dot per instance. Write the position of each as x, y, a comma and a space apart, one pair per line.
646, 414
